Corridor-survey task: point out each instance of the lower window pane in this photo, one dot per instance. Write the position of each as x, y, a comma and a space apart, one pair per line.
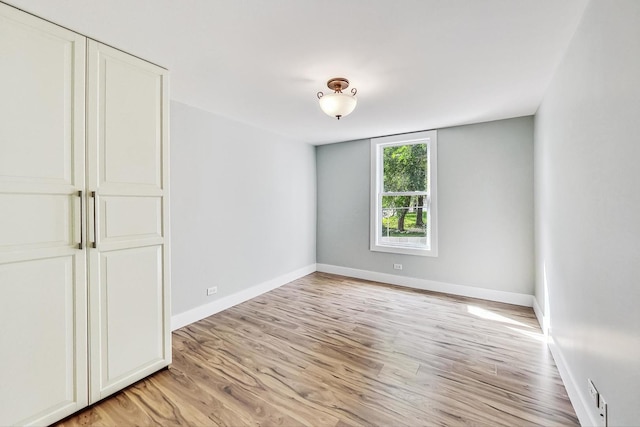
404, 221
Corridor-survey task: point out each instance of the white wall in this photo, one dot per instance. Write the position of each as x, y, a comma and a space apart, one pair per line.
587, 176
243, 206
485, 199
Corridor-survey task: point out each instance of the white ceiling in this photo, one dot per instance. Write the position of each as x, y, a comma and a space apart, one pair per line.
417, 64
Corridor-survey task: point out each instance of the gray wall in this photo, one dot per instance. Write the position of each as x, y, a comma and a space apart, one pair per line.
485, 214
243, 206
587, 176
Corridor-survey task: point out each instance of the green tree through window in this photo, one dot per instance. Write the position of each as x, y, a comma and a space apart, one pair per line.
405, 170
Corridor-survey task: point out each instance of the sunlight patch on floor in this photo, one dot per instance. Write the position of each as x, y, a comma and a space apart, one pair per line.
489, 315
538, 336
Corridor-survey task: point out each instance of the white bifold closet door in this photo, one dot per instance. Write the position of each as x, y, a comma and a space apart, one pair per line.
128, 217
84, 249
43, 299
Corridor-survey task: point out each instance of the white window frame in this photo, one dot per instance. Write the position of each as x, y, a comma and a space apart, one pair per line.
430, 138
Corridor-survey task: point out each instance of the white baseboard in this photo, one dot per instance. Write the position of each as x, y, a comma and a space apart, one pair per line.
579, 400
542, 320
206, 310
431, 285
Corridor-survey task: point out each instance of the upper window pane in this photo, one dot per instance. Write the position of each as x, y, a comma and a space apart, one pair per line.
405, 168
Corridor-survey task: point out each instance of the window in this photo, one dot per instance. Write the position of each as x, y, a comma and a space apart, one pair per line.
403, 194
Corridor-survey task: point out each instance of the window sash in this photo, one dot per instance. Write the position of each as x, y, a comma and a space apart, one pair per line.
380, 215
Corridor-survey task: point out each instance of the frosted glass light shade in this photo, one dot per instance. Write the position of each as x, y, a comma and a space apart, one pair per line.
338, 104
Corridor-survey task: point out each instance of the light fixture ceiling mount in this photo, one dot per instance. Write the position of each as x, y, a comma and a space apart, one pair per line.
337, 84
338, 104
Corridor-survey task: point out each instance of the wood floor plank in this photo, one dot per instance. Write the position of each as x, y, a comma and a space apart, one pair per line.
328, 350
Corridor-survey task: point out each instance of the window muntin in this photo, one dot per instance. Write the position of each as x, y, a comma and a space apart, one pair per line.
403, 214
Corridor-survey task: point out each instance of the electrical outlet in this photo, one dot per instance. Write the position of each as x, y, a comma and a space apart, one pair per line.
212, 290
593, 392
397, 266
602, 408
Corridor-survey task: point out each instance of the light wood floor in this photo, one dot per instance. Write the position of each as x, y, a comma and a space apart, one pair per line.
326, 350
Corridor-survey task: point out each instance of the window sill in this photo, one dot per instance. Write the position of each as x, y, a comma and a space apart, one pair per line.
404, 250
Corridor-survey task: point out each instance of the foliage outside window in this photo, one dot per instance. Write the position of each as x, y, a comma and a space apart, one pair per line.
403, 190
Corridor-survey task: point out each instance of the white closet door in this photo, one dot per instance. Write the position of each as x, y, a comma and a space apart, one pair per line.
128, 268
43, 311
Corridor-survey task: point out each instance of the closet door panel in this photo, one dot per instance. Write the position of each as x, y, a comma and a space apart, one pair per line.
43, 306
37, 301
129, 268
131, 299
120, 225
39, 63
36, 220
132, 126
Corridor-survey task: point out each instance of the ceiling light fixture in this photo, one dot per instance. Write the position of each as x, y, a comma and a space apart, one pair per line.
338, 104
